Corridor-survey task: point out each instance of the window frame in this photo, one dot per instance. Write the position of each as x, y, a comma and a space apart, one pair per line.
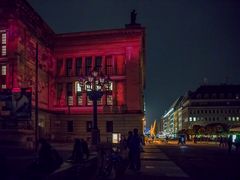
3, 43
109, 65
70, 127
88, 65
98, 64
109, 126
69, 66
69, 93
78, 69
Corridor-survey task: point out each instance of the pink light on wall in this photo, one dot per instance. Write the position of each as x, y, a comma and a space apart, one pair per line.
16, 90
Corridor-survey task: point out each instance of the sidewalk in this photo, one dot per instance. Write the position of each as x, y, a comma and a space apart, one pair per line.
156, 165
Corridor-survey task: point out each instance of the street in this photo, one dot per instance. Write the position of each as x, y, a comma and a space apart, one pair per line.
191, 161
159, 161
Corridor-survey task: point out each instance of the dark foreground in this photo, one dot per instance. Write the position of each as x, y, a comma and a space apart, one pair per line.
164, 161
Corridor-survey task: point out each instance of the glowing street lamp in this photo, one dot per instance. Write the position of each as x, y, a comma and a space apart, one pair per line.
95, 85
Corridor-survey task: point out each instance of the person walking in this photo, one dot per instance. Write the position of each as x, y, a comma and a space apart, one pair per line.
237, 142
221, 141
230, 139
77, 153
130, 135
135, 150
85, 149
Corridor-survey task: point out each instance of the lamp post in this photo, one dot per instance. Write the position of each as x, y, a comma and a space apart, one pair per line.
95, 85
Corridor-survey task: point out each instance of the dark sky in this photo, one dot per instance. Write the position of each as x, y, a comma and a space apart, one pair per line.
186, 41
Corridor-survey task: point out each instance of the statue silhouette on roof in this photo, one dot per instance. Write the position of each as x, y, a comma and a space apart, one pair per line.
133, 23
133, 16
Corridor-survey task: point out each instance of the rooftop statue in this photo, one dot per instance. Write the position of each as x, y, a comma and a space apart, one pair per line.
133, 17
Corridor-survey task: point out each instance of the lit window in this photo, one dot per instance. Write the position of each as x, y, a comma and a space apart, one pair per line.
98, 87
70, 100
194, 118
88, 87
4, 86
229, 118
233, 118
89, 102
190, 119
237, 118
3, 42
109, 100
4, 70
79, 100
99, 102
109, 86
78, 87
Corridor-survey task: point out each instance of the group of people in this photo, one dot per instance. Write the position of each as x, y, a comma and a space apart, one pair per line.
230, 142
49, 158
134, 145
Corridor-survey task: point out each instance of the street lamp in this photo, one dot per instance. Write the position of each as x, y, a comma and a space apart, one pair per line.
95, 85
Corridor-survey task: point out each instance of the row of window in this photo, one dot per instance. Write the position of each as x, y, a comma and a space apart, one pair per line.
70, 127
193, 119
81, 98
3, 43
214, 111
3, 73
218, 96
85, 65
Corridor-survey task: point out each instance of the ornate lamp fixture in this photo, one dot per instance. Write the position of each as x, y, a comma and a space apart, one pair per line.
95, 85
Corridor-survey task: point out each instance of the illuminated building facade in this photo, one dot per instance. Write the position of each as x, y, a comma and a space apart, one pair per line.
208, 104
212, 104
65, 112
171, 120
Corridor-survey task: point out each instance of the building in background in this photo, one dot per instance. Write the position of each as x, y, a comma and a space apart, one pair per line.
212, 104
65, 112
172, 119
217, 105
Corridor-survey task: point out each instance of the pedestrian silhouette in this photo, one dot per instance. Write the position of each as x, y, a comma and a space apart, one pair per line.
230, 139
77, 153
237, 142
130, 135
221, 141
135, 150
85, 149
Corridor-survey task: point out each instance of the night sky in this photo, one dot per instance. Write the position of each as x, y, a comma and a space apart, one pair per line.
186, 41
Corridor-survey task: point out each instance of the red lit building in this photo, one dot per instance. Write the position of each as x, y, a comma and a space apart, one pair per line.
65, 112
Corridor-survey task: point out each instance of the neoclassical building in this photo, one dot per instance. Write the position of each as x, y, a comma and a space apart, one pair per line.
29, 45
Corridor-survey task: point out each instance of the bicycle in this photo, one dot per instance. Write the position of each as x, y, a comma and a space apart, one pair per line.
111, 165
